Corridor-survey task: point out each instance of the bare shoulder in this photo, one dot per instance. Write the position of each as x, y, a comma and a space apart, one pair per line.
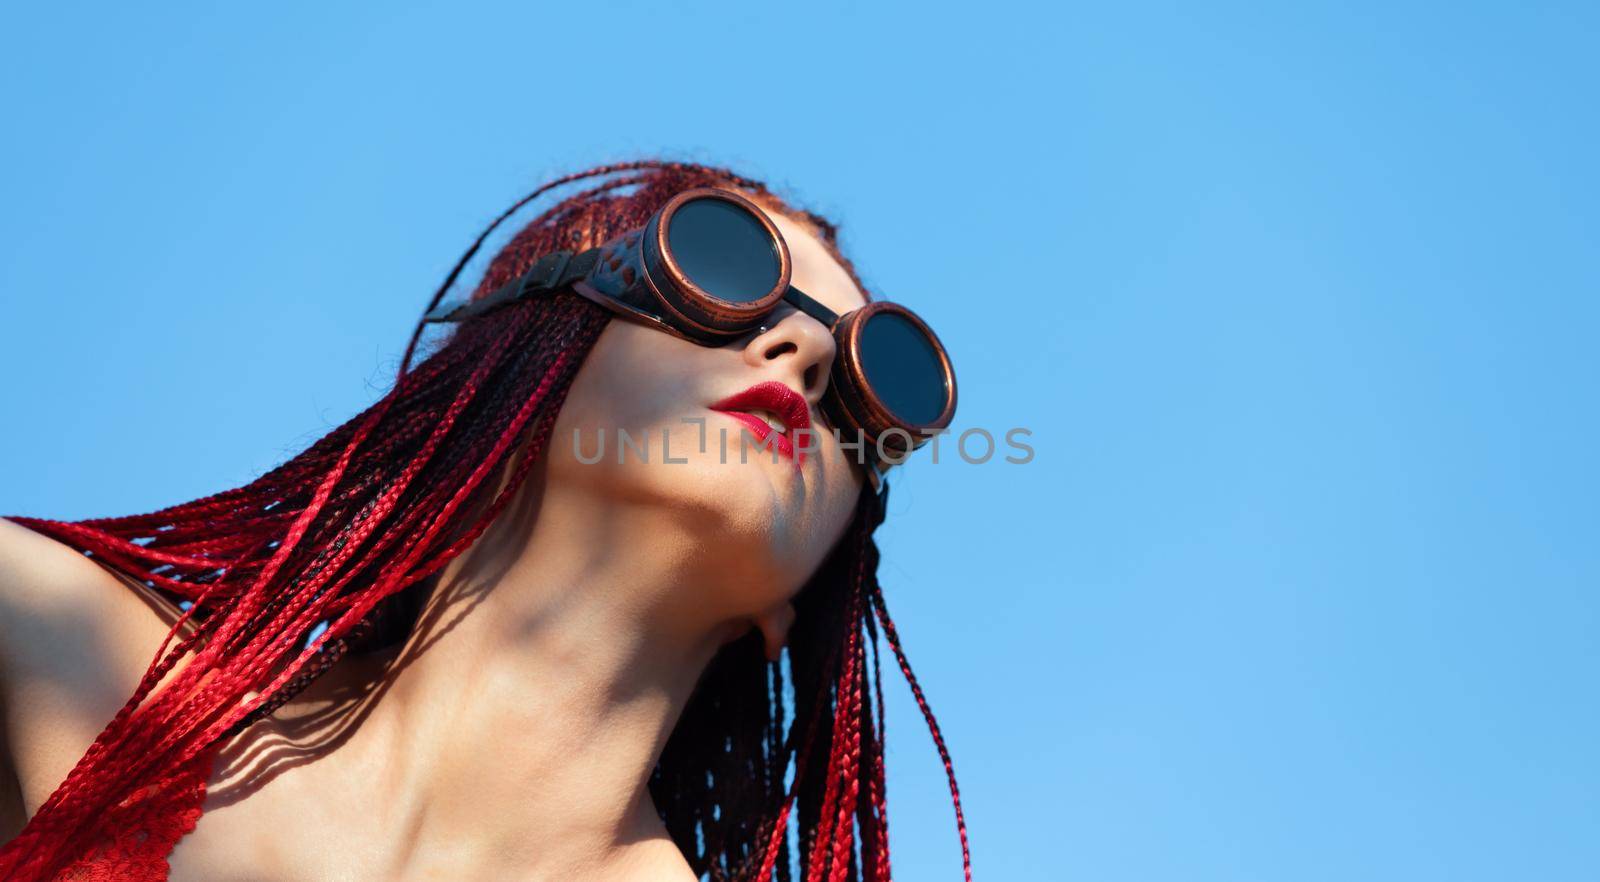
74, 639
57, 604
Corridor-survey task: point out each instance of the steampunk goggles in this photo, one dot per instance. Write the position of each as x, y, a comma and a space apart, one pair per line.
709, 267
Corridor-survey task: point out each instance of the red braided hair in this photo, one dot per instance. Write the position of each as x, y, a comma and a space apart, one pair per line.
278, 578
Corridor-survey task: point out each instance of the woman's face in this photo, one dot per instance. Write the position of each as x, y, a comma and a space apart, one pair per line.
765, 523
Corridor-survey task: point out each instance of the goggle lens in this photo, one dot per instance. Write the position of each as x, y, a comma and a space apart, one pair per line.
904, 369
723, 250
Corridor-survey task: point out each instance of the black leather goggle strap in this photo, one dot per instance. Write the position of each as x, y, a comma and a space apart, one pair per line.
810, 306
551, 272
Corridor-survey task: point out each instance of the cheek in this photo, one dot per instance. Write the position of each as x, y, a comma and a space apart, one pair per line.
630, 380
610, 394
628, 407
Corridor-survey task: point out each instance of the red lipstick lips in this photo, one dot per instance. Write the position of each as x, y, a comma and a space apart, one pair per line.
782, 403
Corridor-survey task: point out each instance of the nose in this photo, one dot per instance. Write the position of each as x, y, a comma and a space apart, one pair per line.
797, 344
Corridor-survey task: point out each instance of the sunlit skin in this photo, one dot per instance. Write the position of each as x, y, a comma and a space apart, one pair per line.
515, 732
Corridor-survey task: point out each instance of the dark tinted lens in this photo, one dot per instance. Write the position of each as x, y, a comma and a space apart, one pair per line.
723, 250
903, 367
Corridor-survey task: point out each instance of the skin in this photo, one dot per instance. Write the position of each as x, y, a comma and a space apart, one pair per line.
513, 735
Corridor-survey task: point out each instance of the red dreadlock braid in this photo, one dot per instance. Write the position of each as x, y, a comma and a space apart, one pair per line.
933, 724
247, 641
875, 814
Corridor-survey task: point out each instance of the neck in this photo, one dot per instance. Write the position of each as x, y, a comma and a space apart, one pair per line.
536, 695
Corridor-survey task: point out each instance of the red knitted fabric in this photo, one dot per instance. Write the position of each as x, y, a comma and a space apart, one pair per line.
134, 838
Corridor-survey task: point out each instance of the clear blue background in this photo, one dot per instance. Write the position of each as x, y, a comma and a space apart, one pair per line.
1300, 305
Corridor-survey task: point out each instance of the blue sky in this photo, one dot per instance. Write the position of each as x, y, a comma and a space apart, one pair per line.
1299, 303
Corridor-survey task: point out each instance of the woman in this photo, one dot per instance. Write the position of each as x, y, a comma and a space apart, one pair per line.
449, 640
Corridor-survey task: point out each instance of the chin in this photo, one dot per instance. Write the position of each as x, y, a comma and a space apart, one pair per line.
741, 513
746, 500
749, 520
